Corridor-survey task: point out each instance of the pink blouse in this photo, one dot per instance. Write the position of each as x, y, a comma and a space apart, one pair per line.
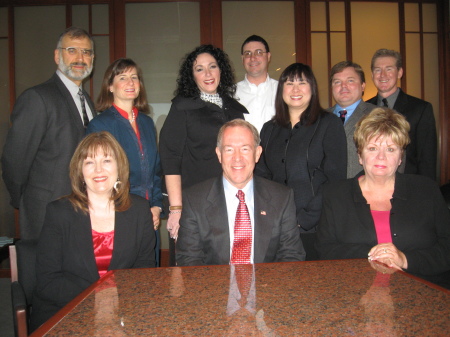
382, 226
103, 248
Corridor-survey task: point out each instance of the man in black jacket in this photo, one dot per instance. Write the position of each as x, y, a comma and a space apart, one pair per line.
421, 153
48, 121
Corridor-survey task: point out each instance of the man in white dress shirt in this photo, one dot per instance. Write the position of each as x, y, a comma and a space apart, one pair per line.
257, 91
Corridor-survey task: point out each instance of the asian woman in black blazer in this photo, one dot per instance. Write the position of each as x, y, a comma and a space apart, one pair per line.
304, 147
100, 226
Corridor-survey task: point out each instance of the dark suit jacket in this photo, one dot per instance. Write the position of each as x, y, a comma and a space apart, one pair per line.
204, 237
419, 220
65, 264
46, 129
353, 165
421, 153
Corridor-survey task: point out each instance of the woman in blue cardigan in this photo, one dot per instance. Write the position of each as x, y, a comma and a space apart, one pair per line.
123, 102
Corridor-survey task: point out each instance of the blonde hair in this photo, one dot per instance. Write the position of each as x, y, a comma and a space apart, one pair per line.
382, 122
88, 148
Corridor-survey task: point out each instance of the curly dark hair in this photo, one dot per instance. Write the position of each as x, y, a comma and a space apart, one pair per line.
186, 85
313, 111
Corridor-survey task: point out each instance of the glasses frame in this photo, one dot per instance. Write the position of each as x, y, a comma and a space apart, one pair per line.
85, 52
248, 54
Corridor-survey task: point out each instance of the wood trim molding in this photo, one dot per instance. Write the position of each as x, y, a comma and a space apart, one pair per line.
119, 29
302, 31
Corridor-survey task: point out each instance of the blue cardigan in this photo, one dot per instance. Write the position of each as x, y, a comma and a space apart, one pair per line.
145, 170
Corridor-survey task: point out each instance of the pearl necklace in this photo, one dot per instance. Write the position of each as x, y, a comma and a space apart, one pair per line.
133, 117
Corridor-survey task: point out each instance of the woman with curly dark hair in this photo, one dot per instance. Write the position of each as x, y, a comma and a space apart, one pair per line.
203, 103
304, 147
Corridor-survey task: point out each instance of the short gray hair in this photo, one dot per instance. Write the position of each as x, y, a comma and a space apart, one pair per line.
74, 33
241, 123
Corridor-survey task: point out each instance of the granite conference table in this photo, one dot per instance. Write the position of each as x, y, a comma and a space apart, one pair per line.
323, 298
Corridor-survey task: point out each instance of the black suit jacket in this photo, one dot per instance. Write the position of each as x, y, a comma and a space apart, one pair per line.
46, 128
65, 264
204, 237
421, 153
419, 221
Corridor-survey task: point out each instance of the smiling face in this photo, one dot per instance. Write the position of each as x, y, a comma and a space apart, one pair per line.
297, 94
125, 86
206, 73
100, 173
238, 155
385, 75
78, 66
255, 66
347, 87
380, 157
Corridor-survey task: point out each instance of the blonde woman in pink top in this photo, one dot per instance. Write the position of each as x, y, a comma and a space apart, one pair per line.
399, 220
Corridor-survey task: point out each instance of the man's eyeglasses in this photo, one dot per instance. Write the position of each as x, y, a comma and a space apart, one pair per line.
257, 53
75, 51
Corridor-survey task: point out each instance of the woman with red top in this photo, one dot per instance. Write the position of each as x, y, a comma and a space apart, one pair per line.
399, 220
123, 102
99, 227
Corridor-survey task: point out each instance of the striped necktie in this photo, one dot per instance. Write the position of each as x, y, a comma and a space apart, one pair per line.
83, 108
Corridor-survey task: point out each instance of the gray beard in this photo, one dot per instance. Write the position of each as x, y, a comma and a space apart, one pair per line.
67, 70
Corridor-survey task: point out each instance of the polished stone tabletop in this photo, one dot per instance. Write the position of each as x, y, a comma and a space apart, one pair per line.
323, 298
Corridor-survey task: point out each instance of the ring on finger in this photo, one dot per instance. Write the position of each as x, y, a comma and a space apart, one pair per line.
384, 250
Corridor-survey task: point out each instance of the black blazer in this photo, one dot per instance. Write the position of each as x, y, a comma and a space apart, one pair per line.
65, 264
421, 153
419, 220
46, 129
204, 237
188, 137
304, 158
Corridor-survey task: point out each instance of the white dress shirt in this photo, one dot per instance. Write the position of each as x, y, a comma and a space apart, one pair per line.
258, 99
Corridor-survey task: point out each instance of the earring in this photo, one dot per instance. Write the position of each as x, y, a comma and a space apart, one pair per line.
117, 185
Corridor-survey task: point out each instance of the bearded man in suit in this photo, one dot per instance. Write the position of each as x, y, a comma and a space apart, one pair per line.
348, 82
48, 122
421, 153
209, 223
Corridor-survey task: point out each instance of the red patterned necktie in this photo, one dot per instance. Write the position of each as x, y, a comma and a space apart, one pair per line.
242, 244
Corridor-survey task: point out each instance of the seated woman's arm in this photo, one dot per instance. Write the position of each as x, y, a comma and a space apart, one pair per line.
436, 258
332, 229
55, 283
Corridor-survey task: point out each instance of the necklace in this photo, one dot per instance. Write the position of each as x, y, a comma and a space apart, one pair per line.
133, 117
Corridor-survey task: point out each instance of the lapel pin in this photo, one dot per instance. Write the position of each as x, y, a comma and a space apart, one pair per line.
263, 212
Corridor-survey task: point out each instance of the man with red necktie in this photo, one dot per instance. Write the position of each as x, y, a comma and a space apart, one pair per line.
238, 218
